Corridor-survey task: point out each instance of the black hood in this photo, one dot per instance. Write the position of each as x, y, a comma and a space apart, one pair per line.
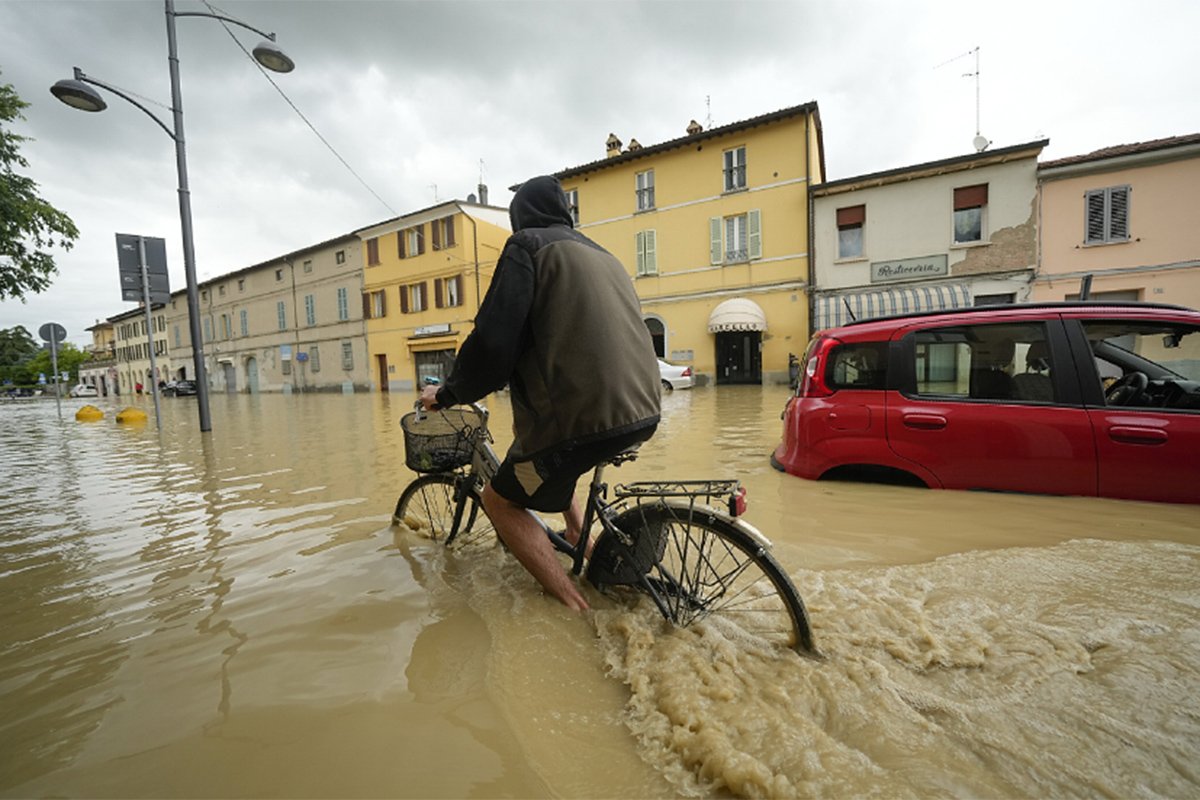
539, 203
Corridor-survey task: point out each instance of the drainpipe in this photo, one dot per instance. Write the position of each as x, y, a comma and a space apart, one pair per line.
812, 267
295, 321
475, 244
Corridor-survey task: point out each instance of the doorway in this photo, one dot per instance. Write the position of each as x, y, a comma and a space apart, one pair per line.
252, 374
658, 335
382, 366
230, 377
739, 357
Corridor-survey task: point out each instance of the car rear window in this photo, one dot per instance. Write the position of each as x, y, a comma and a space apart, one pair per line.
858, 365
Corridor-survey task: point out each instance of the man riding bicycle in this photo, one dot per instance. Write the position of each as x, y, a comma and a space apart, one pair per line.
561, 324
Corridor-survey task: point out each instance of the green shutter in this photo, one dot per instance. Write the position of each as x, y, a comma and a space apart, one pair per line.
714, 235
754, 231
650, 239
640, 248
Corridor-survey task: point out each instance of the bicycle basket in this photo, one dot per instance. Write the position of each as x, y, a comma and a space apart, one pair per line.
439, 441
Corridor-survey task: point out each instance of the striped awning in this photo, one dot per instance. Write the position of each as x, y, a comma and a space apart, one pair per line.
838, 308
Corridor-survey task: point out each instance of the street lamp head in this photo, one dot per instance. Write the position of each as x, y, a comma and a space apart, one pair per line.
78, 94
270, 56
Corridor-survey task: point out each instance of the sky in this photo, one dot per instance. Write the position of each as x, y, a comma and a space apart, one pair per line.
413, 103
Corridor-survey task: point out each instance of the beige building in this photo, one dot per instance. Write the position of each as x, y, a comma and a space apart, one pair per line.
944, 234
100, 370
1127, 217
291, 324
132, 348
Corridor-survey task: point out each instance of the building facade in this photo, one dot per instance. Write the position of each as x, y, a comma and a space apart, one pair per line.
291, 324
1126, 217
424, 276
945, 234
713, 229
132, 348
100, 370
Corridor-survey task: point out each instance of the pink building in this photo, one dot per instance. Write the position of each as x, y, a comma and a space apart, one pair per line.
1129, 216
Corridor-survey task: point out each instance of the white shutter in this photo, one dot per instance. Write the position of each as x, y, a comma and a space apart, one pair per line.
754, 224
651, 246
714, 235
640, 247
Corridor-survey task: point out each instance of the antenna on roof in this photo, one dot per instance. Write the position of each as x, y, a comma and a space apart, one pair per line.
980, 142
707, 112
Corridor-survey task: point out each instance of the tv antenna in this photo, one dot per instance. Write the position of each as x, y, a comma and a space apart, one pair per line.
980, 141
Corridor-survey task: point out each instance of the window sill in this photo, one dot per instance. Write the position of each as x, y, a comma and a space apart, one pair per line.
645, 210
1106, 244
969, 245
854, 260
737, 190
645, 275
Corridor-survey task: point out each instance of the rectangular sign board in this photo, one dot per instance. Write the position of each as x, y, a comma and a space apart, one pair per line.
907, 269
130, 268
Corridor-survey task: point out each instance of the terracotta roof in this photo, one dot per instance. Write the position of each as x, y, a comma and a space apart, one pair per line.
1124, 150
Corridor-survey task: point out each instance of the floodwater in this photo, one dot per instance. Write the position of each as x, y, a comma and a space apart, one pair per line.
234, 616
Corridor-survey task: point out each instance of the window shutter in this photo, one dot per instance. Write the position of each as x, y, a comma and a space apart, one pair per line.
403, 299
651, 252
754, 233
366, 305
437, 239
437, 293
372, 251
449, 232
1119, 213
400, 237
714, 236
854, 215
1094, 224
420, 239
383, 304
639, 245
970, 197
458, 280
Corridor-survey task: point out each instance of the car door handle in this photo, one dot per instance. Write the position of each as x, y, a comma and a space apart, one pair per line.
924, 422
1130, 434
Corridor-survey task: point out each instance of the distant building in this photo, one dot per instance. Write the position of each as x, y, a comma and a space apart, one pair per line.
424, 276
713, 228
1127, 216
132, 347
100, 370
944, 234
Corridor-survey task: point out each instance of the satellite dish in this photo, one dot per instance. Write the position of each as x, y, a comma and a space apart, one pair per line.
981, 143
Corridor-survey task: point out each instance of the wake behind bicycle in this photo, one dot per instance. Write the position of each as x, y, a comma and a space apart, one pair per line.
681, 543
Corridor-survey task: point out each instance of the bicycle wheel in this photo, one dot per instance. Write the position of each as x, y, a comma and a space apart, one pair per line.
698, 565
427, 506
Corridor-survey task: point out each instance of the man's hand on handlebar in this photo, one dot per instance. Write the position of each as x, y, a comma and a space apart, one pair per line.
429, 398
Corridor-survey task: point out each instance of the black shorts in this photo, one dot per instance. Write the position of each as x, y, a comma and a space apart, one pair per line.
547, 482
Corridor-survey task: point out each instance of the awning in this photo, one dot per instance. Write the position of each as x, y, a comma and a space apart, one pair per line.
838, 308
738, 314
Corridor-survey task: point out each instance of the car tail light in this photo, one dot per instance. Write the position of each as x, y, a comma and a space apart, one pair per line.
737, 502
812, 383
687, 372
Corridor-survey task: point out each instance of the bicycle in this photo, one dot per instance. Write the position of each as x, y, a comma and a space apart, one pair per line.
661, 538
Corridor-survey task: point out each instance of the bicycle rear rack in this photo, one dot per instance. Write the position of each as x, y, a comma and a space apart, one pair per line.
729, 492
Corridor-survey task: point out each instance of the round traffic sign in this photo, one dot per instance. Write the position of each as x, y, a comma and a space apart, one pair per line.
52, 331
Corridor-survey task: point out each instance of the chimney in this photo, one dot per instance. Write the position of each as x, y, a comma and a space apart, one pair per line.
693, 128
614, 145
482, 194
634, 145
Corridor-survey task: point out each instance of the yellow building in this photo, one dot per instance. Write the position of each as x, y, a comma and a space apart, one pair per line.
713, 227
424, 275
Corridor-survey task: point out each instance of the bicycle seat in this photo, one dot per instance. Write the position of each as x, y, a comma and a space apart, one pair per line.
628, 454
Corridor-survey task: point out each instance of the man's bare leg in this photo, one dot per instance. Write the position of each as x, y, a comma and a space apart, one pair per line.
528, 542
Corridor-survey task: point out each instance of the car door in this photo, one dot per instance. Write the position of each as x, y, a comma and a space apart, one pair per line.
1149, 449
963, 413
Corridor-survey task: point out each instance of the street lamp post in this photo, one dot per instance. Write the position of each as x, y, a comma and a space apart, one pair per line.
77, 94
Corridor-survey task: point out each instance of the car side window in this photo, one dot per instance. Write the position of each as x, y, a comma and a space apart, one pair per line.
858, 365
1145, 364
1004, 361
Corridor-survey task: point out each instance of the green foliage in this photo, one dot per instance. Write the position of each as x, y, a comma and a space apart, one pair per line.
17, 349
70, 358
29, 226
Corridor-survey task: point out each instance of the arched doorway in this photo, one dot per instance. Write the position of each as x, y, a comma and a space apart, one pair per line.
738, 326
658, 335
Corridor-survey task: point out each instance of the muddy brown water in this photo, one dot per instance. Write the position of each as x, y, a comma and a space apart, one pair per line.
234, 616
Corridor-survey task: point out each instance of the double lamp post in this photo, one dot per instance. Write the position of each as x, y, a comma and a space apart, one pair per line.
78, 94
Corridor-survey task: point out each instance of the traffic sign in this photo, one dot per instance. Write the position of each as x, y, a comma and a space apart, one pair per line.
129, 267
52, 332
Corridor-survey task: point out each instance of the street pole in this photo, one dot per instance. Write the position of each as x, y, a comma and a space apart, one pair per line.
185, 223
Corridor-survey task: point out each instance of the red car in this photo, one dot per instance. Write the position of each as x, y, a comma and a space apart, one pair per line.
1057, 398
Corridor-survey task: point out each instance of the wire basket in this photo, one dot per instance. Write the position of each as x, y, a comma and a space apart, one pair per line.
440, 441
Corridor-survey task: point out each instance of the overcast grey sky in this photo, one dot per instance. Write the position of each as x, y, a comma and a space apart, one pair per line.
415, 95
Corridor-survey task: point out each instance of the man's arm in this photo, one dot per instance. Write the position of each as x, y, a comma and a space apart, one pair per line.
489, 355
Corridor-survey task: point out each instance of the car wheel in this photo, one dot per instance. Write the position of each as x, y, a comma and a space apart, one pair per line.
667, 387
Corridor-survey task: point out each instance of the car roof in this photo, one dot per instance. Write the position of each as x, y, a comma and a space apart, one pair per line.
1009, 311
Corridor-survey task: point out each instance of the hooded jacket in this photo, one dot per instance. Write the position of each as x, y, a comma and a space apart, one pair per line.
562, 325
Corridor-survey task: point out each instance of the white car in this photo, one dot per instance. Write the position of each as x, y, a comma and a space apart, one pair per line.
84, 390
674, 377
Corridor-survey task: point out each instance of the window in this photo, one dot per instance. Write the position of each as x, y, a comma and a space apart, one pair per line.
373, 252
340, 257
178, 340
969, 205
412, 242
343, 304
737, 238
221, 290
645, 190
850, 222
308, 265
735, 169
347, 356
285, 356
204, 294
207, 329
278, 275
245, 320
1000, 299
443, 233
314, 358
861, 365
1010, 361
573, 204
447, 292
647, 255
1168, 353
412, 298
226, 326
281, 313
375, 305
241, 285
310, 309
1107, 219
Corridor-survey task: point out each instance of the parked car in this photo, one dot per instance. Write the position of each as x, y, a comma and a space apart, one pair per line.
674, 377
1056, 398
84, 390
179, 388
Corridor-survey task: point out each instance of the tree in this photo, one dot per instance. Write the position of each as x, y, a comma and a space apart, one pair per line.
29, 226
17, 349
69, 359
